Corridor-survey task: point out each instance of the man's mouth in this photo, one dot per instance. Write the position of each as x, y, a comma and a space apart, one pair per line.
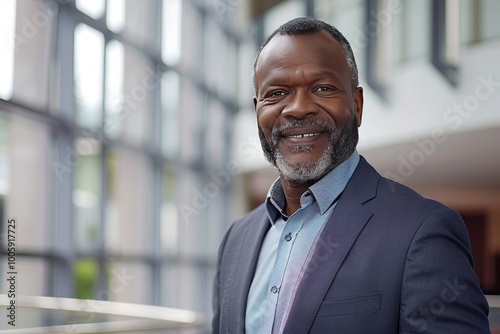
301, 132
304, 135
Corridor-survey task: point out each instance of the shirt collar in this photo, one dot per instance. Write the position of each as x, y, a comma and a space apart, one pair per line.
325, 191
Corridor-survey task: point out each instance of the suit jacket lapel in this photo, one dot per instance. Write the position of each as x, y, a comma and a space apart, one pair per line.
255, 230
333, 245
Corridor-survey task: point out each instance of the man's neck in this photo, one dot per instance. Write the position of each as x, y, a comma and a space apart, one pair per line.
293, 191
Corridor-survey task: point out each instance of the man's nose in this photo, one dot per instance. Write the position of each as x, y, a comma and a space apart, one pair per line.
300, 105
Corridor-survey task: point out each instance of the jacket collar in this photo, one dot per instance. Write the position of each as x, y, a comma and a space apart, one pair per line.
333, 245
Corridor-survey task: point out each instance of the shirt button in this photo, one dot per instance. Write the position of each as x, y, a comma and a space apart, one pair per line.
288, 237
274, 289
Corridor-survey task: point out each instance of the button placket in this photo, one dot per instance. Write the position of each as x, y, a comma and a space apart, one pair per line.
284, 250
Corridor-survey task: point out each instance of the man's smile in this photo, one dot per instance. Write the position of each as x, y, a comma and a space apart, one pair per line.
302, 135
305, 135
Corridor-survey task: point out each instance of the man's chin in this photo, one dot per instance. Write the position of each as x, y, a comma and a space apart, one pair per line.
303, 170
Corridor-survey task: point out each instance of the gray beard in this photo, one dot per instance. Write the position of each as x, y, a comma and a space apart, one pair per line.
307, 171
341, 146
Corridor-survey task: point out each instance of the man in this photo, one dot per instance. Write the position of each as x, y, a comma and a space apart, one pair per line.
336, 248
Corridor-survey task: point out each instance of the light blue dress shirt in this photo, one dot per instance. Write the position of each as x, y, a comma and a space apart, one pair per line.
286, 246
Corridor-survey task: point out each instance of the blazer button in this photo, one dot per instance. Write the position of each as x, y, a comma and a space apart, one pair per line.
274, 289
288, 237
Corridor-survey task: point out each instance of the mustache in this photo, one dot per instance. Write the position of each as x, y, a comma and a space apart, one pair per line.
277, 131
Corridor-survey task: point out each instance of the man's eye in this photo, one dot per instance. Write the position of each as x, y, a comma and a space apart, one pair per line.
323, 89
276, 94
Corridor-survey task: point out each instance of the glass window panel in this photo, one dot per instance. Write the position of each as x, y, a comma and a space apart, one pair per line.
139, 21
232, 12
7, 45
218, 212
327, 9
128, 225
24, 180
214, 51
190, 121
216, 135
281, 13
246, 59
451, 52
86, 195
114, 102
192, 202
488, 21
115, 15
94, 8
140, 81
416, 23
34, 23
127, 283
195, 198
171, 293
468, 28
229, 84
89, 51
170, 113
171, 31
192, 56
191, 282
349, 18
169, 214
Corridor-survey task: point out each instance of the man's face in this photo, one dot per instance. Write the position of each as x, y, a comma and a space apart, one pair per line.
307, 110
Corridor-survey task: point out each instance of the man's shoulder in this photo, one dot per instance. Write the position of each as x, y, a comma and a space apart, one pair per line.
400, 196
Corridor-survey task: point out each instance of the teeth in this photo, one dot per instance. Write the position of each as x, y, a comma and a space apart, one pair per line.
305, 135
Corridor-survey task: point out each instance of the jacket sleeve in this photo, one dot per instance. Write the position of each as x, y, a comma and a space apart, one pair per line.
440, 292
216, 287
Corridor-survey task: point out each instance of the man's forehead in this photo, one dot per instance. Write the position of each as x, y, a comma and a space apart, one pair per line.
281, 45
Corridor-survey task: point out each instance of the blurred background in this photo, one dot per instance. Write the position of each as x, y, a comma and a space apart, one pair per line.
128, 140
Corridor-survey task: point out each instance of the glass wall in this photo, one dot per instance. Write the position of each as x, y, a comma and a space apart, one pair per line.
111, 122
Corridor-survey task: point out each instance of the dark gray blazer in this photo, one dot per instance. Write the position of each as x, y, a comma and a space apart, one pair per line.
388, 261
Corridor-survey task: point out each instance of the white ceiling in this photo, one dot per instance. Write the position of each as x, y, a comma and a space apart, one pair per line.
465, 160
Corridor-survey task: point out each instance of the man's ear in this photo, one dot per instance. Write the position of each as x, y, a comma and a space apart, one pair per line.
358, 102
255, 102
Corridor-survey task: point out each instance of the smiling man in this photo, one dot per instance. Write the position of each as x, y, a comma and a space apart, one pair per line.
336, 248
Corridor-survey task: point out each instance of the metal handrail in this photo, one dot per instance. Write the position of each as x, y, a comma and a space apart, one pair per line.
143, 317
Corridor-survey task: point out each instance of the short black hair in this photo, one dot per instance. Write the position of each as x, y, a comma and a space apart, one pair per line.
309, 25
